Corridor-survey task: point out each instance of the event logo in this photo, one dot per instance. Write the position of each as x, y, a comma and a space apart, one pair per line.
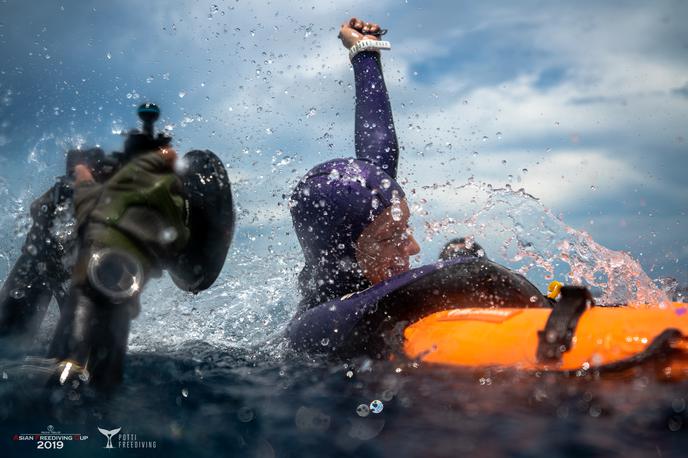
50, 439
109, 435
116, 438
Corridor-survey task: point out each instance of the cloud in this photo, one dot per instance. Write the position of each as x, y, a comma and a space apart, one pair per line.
682, 91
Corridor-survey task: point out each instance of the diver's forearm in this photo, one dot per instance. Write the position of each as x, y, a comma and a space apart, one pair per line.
375, 137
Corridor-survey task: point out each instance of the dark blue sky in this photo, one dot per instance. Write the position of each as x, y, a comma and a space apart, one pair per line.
590, 99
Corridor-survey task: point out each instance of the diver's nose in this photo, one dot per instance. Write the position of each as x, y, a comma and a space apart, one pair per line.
411, 248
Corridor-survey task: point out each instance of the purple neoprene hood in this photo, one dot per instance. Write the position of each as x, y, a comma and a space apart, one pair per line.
330, 208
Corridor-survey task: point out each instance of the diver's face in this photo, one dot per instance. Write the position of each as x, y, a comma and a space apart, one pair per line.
386, 244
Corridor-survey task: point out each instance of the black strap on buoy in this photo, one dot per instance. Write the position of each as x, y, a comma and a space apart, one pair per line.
556, 338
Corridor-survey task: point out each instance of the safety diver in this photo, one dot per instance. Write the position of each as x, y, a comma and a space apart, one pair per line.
150, 214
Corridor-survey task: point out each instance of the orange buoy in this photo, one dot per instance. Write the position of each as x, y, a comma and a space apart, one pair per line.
605, 338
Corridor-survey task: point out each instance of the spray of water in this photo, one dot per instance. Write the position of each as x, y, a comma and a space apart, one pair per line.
529, 237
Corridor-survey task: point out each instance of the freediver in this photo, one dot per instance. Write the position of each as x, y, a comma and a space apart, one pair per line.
43, 269
152, 213
351, 219
351, 215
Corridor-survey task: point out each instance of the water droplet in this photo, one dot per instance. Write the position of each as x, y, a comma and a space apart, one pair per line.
675, 423
385, 183
213, 10
168, 235
32, 250
185, 392
109, 56
334, 175
349, 374
182, 94
325, 342
17, 293
524, 170
311, 112
376, 406
533, 299
503, 161
593, 188
595, 411
498, 135
396, 211
362, 410
245, 414
484, 138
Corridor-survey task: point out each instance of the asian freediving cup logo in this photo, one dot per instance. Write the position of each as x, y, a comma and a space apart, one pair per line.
109, 435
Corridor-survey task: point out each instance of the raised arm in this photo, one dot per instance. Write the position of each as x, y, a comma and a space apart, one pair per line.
375, 137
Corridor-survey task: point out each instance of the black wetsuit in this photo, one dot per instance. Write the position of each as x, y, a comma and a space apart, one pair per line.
44, 266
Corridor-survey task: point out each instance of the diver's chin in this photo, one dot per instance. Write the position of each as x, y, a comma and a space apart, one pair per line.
397, 270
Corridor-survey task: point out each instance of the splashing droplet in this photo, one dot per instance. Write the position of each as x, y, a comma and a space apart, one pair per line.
396, 211
376, 406
168, 235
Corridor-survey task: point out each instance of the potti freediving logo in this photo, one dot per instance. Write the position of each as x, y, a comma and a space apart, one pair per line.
109, 435
125, 439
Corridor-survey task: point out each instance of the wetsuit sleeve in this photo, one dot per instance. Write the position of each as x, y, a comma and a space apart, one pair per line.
375, 137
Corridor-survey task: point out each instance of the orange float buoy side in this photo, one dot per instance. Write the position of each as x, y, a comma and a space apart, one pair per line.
605, 337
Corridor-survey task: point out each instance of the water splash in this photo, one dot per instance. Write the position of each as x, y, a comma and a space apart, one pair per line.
527, 236
248, 306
